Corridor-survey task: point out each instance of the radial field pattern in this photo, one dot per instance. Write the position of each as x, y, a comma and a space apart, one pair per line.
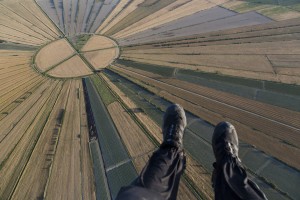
84, 85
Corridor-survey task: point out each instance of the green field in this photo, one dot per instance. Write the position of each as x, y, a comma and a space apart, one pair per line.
279, 94
197, 142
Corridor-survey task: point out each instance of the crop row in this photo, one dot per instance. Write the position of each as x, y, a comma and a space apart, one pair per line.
34, 181
112, 149
40, 19
73, 67
49, 12
23, 21
151, 109
277, 11
204, 26
75, 16
68, 160
31, 13
225, 64
19, 143
15, 100
261, 109
37, 128
11, 36
196, 143
246, 150
264, 33
17, 89
105, 11
220, 80
240, 47
241, 62
102, 189
13, 118
48, 113
121, 6
18, 78
170, 13
136, 15
235, 111
192, 19
138, 143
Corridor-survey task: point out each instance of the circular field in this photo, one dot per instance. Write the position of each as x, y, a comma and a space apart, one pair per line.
62, 59
84, 86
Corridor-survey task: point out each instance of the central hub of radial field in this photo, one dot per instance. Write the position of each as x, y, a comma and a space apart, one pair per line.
62, 59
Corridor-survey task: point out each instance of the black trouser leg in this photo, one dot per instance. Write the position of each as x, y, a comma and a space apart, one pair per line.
163, 171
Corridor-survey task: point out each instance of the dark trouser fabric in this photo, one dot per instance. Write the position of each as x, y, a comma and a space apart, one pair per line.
231, 182
160, 177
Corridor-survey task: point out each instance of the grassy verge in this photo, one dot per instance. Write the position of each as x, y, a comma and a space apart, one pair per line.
80, 40
273, 93
102, 190
102, 89
155, 112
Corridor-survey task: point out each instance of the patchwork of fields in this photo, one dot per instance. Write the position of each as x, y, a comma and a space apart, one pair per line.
84, 85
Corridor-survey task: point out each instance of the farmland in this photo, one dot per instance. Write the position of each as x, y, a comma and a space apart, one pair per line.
84, 86
194, 127
275, 10
67, 61
240, 48
61, 50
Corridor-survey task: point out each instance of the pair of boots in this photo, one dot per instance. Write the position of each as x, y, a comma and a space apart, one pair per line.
229, 179
160, 177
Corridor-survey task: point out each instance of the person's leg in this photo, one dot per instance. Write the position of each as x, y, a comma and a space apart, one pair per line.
230, 179
162, 173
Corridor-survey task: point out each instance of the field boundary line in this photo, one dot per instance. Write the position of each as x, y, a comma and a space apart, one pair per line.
38, 137
195, 40
133, 116
60, 62
40, 20
89, 23
15, 123
88, 108
24, 19
89, 65
56, 143
35, 85
82, 52
80, 139
266, 181
59, 30
219, 102
22, 33
108, 113
167, 62
156, 143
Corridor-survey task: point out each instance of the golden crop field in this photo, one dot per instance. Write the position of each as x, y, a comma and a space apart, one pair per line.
97, 42
60, 50
74, 67
84, 86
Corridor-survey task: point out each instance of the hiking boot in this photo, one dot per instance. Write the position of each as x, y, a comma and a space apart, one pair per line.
173, 126
225, 142
229, 178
